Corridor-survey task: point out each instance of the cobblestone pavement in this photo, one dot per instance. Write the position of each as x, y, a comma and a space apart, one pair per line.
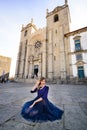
71, 98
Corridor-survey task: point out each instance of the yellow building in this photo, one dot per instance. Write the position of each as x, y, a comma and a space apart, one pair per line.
5, 63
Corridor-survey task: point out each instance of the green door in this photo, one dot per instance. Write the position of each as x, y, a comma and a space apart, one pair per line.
81, 72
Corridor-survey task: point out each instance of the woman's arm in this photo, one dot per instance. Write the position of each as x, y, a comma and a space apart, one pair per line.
36, 101
35, 86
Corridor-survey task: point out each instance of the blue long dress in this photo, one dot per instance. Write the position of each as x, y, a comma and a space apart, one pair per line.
43, 110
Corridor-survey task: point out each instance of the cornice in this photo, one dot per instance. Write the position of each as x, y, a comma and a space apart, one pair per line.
78, 52
76, 32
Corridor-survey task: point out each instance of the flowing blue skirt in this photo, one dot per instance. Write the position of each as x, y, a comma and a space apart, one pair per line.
42, 111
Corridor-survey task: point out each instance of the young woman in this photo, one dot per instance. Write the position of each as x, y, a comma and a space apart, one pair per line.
41, 109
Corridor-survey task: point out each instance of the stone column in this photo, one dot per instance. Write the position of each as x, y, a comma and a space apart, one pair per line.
40, 66
68, 57
50, 56
17, 69
21, 63
28, 68
31, 67
62, 54
22, 68
21, 73
44, 59
26, 63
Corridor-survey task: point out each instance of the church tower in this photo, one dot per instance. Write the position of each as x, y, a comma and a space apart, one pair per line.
66, 2
58, 24
22, 59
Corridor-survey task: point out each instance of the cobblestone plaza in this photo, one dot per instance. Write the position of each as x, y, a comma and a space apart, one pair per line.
71, 98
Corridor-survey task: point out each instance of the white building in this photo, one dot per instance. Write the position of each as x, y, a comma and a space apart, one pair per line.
78, 42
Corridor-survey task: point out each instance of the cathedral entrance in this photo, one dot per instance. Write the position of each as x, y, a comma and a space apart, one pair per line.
36, 70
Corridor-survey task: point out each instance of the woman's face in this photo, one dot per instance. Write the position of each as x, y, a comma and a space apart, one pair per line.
43, 82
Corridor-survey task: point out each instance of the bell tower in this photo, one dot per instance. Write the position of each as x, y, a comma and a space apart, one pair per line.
58, 22
66, 2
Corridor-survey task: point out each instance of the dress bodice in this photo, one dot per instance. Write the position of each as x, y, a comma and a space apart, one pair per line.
43, 92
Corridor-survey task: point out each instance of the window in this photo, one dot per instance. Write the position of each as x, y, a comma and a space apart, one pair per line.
79, 57
25, 34
56, 18
77, 45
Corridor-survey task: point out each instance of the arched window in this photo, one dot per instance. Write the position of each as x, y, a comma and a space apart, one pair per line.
56, 18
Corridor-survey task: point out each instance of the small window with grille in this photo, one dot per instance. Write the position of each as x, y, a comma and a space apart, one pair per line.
79, 57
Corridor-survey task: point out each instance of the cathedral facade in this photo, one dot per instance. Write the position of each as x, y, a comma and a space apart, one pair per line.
44, 52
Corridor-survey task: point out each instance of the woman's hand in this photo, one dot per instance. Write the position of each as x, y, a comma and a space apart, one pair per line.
35, 86
32, 105
38, 82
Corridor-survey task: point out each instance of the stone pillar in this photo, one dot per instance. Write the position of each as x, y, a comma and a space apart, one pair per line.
28, 68
31, 67
17, 69
22, 68
44, 59
26, 63
21, 63
69, 67
68, 58
62, 54
40, 66
50, 56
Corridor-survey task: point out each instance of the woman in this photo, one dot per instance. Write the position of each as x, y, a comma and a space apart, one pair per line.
41, 109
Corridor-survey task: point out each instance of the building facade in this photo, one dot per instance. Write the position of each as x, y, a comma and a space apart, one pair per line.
78, 42
44, 52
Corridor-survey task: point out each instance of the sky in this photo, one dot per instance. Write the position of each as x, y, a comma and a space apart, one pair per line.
15, 13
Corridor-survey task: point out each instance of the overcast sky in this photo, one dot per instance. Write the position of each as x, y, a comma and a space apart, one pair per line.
14, 13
